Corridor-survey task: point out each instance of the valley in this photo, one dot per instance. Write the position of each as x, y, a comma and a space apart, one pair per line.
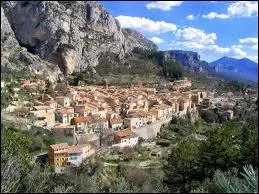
89, 105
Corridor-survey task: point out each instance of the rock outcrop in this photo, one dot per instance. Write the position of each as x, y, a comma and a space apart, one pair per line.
15, 58
135, 39
72, 35
190, 60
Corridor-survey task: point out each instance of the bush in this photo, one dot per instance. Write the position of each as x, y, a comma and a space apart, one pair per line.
127, 153
163, 142
208, 116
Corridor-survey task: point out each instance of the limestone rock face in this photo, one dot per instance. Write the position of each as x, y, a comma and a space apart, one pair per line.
8, 39
16, 58
135, 39
190, 60
44, 27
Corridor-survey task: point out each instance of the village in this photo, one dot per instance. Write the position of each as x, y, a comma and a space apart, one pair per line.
94, 117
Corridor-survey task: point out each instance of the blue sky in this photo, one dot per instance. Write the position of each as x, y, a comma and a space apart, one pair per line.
211, 28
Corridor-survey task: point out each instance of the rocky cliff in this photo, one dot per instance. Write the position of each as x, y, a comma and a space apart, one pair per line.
15, 58
71, 35
190, 59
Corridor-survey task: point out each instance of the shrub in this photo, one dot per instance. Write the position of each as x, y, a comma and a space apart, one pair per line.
163, 142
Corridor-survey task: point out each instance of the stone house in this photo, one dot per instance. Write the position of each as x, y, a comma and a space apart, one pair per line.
126, 138
52, 104
63, 101
63, 130
116, 124
73, 96
151, 117
163, 111
42, 116
90, 124
81, 123
135, 120
87, 150
65, 115
184, 103
84, 111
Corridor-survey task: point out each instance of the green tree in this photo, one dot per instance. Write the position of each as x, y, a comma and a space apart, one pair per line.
249, 143
222, 149
183, 167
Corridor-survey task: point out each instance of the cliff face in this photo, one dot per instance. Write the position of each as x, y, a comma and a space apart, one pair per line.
71, 35
190, 60
135, 39
15, 58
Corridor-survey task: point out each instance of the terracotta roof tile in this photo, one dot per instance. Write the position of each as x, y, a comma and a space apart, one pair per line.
81, 119
59, 146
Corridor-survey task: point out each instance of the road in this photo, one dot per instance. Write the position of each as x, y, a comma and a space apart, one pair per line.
150, 131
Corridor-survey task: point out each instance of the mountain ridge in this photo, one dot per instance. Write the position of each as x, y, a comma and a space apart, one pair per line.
236, 68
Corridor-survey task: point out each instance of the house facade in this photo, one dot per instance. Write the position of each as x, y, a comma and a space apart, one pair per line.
126, 138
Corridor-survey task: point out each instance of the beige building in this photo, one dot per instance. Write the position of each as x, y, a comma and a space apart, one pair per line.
163, 111
136, 119
63, 101
72, 96
52, 104
126, 138
90, 124
116, 124
65, 115
43, 116
63, 130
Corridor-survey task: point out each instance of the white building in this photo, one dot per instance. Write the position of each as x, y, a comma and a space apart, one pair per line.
126, 138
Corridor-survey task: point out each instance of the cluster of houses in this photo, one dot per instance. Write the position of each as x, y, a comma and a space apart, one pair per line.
178, 84
90, 110
63, 156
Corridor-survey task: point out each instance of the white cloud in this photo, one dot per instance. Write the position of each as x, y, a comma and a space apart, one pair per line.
213, 15
214, 51
248, 40
243, 8
157, 40
196, 35
238, 9
145, 25
187, 44
255, 47
249, 43
163, 5
190, 17
253, 58
238, 51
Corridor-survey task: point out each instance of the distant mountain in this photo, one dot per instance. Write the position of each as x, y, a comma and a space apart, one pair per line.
190, 60
241, 69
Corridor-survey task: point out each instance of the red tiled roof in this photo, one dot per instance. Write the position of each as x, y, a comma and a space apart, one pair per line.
81, 119
125, 133
59, 146
75, 149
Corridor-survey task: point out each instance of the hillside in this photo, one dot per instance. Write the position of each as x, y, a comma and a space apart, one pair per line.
236, 68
